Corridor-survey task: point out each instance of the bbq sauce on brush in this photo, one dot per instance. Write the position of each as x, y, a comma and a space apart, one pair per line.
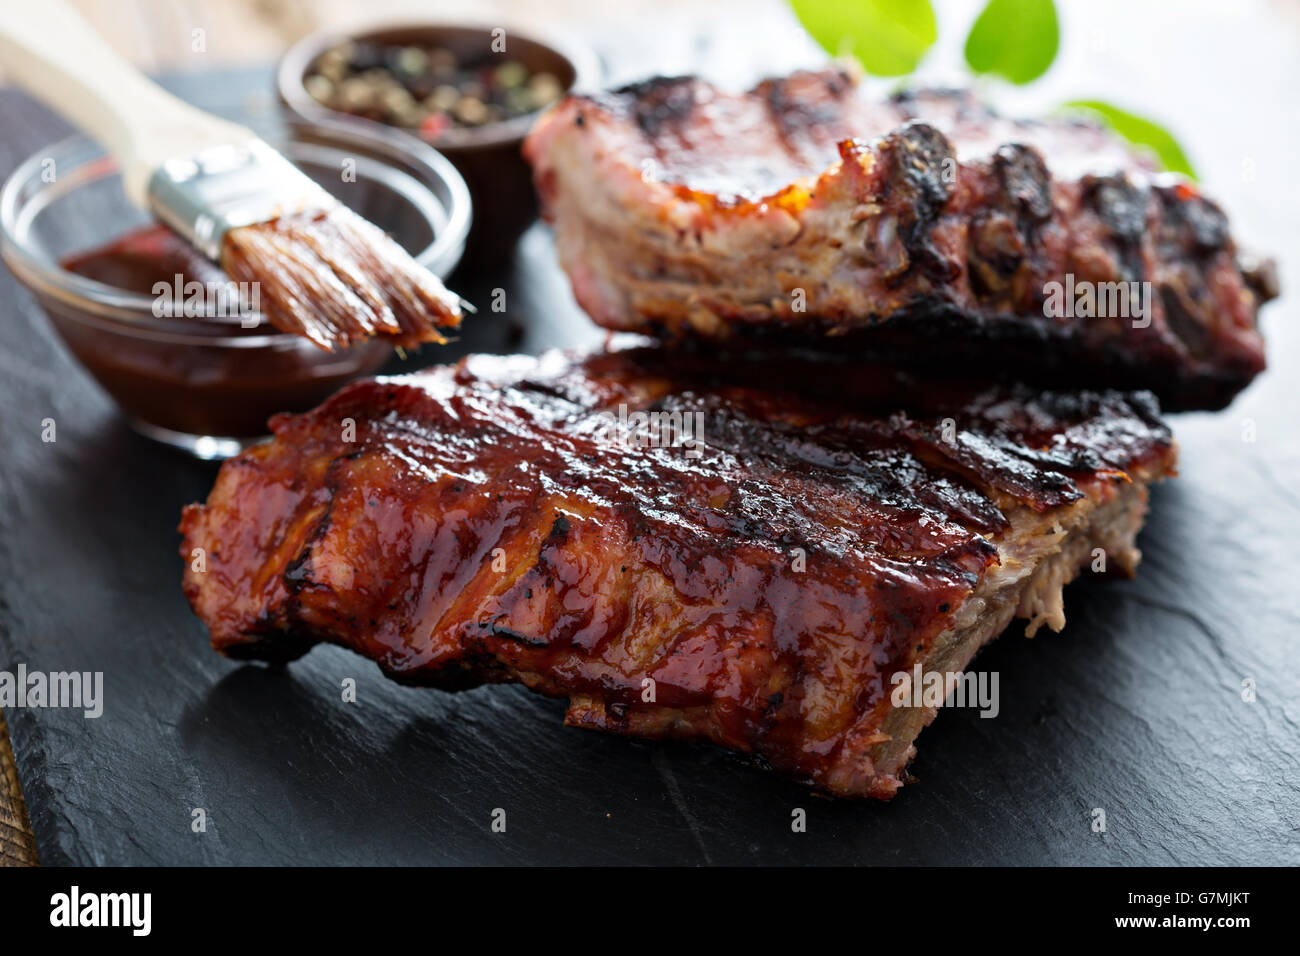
325, 274
332, 277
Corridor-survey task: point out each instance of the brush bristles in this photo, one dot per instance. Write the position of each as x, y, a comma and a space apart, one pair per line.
336, 279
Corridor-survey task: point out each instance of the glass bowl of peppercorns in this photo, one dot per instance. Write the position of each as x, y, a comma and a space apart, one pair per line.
470, 92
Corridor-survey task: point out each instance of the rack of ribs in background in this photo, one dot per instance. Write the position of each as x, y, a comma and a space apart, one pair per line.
924, 225
765, 561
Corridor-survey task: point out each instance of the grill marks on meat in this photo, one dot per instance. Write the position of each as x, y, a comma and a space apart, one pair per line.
919, 166
492, 522
1001, 235
925, 223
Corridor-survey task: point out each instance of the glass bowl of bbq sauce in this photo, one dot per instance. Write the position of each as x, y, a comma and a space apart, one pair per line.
178, 346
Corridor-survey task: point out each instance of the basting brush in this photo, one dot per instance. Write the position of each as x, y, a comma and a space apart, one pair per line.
321, 270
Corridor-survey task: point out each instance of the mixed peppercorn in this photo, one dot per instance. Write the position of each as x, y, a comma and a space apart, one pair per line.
427, 90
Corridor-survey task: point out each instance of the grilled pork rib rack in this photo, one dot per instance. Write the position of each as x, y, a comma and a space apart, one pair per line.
752, 570
922, 225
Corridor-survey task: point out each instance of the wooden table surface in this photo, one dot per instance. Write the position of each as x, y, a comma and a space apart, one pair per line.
17, 845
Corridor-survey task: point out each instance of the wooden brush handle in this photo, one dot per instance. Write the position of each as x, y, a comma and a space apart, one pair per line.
55, 56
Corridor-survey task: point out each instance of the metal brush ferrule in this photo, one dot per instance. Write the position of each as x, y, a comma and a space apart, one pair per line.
204, 195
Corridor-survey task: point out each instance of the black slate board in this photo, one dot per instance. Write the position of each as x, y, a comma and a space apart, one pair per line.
1135, 709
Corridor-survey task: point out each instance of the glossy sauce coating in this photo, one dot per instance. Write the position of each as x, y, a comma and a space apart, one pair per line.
495, 522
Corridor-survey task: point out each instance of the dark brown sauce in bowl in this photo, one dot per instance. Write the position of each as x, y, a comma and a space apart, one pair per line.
205, 388
200, 378
138, 260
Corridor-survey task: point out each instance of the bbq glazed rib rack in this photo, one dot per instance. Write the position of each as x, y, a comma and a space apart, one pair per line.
925, 224
764, 563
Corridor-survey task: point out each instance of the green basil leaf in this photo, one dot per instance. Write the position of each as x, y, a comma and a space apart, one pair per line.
1016, 39
888, 37
1141, 132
